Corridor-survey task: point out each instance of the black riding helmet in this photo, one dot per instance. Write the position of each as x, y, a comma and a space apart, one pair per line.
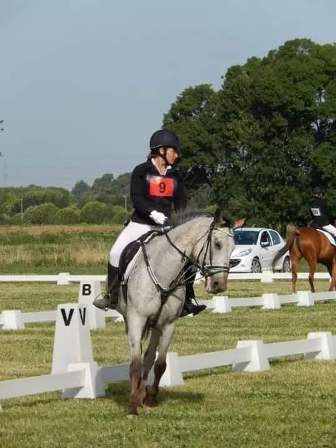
317, 191
166, 139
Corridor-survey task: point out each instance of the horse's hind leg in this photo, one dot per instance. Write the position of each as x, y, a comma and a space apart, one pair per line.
295, 263
138, 391
332, 273
160, 364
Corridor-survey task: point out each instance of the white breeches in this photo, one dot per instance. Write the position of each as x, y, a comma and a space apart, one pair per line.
330, 228
131, 232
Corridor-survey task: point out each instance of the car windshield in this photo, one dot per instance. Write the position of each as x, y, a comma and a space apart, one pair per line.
245, 237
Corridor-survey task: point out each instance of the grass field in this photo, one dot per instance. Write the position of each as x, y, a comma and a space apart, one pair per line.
292, 405
52, 249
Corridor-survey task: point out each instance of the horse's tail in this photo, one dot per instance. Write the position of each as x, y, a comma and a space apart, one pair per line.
289, 244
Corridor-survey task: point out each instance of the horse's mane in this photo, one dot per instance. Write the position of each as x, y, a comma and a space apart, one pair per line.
186, 215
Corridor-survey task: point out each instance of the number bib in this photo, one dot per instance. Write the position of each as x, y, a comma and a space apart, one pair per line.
161, 186
315, 211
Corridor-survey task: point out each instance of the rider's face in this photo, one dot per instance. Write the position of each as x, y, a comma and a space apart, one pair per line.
171, 155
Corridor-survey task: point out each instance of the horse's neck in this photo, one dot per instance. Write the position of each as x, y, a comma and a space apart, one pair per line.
188, 235
185, 237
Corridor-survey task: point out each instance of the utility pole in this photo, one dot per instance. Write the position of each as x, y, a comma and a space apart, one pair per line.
125, 203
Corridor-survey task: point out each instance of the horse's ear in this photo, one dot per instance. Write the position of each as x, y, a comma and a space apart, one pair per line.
239, 223
220, 220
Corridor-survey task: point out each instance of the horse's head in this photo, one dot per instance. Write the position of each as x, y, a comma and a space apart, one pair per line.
219, 247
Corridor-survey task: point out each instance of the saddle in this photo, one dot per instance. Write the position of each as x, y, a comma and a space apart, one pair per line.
131, 251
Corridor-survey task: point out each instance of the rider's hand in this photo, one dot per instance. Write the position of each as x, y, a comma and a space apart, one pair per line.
158, 217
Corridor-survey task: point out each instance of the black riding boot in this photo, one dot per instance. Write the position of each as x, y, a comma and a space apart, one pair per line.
189, 307
110, 298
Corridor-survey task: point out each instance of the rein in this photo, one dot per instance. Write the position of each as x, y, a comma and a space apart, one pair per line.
181, 279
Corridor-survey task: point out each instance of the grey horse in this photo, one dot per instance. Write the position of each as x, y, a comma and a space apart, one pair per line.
156, 292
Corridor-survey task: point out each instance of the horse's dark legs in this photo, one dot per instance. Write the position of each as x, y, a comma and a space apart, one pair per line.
294, 263
312, 269
160, 364
332, 272
138, 391
150, 354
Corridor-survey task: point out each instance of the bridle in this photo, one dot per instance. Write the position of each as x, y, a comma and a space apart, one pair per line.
199, 262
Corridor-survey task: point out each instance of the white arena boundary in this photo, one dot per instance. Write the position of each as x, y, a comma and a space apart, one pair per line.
75, 372
89, 290
65, 278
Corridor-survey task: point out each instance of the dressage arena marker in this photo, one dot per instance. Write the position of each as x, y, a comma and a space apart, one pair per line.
75, 372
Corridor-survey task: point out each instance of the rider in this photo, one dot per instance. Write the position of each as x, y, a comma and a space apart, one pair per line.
156, 187
319, 212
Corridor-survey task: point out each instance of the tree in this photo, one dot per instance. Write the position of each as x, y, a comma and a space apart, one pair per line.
269, 132
95, 212
40, 214
80, 190
67, 215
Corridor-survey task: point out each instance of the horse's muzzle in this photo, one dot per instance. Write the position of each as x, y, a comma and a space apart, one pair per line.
217, 282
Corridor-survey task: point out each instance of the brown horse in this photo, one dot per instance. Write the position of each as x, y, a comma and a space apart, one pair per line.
315, 247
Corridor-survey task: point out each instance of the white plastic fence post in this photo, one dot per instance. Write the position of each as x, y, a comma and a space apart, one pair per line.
63, 278
73, 350
271, 301
94, 385
12, 320
328, 346
305, 298
221, 304
266, 277
173, 375
258, 361
88, 291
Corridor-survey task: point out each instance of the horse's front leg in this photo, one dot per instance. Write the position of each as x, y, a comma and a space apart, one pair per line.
150, 354
312, 269
137, 385
160, 364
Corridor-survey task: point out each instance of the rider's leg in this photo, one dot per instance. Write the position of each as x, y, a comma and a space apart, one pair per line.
110, 298
189, 307
130, 233
331, 229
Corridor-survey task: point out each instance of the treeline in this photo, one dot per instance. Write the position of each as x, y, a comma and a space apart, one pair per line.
256, 147
267, 136
106, 201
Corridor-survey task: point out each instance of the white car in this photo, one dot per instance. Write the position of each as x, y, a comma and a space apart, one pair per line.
255, 249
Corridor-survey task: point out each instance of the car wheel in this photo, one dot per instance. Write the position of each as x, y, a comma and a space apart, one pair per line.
255, 266
286, 265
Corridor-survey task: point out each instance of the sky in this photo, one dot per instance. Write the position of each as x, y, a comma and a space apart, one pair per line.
84, 83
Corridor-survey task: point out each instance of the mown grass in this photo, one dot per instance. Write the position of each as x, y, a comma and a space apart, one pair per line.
292, 405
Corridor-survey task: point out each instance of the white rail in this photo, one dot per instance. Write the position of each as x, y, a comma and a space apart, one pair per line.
65, 278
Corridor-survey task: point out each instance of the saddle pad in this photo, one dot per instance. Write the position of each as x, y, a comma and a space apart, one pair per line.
131, 252
329, 236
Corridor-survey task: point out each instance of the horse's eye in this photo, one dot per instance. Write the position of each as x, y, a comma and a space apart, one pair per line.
218, 245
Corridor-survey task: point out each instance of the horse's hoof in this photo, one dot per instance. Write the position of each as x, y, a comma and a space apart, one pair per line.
132, 415
133, 412
150, 402
147, 408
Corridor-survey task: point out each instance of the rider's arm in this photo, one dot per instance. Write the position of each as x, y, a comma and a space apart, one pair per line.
141, 203
180, 197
